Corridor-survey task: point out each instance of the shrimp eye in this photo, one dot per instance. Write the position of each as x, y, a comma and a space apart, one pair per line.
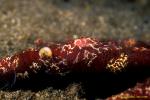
45, 52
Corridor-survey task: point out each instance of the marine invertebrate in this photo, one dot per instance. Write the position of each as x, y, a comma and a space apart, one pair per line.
117, 64
83, 55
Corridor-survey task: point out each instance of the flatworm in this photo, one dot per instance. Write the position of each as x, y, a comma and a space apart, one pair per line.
83, 55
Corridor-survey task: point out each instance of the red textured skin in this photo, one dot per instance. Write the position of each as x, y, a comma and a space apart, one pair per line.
79, 55
93, 56
91, 52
